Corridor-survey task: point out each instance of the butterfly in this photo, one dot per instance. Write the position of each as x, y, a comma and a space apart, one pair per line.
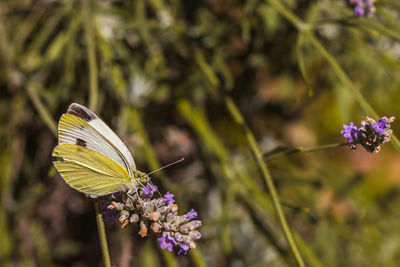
90, 157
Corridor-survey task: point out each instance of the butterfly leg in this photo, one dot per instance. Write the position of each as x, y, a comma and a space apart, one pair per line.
132, 190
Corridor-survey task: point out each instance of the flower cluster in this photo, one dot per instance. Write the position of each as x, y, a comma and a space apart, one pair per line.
370, 135
363, 7
160, 215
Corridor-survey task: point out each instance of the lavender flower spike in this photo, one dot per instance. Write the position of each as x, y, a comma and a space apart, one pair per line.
158, 216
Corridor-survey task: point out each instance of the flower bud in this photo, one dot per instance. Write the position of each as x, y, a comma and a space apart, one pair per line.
134, 218
123, 216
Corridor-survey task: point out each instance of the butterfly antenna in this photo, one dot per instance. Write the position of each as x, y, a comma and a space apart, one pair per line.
166, 166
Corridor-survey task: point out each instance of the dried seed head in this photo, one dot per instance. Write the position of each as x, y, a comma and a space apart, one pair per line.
123, 216
124, 223
155, 216
156, 228
134, 218
143, 229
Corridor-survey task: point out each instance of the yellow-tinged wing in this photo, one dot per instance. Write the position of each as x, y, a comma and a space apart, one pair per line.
89, 171
75, 130
91, 127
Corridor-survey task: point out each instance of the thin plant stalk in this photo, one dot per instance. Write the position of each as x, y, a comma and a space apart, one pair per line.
40, 107
295, 150
238, 118
102, 234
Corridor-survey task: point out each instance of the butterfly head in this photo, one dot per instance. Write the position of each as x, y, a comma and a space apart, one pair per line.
141, 177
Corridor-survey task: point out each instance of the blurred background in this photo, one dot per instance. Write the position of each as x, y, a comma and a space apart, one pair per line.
172, 78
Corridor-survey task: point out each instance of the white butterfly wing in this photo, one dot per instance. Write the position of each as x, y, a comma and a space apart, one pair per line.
82, 127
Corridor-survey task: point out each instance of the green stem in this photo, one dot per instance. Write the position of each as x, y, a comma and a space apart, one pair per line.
102, 234
31, 90
323, 147
312, 259
302, 64
91, 55
235, 113
294, 150
288, 14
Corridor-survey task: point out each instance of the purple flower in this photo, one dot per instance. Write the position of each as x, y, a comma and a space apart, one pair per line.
191, 214
359, 11
184, 248
109, 215
350, 132
378, 128
169, 198
167, 242
158, 215
371, 135
149, 190
381, 125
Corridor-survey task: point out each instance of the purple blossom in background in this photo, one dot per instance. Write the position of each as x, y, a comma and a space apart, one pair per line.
167, 242
359, 11
350, 132
169, 198
191, 214
371, 135
149, 190
363, 7
381, 125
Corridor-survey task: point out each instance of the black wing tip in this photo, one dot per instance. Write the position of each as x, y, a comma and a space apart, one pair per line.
81, 112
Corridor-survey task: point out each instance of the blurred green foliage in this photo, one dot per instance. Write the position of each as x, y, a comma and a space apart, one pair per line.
161, 74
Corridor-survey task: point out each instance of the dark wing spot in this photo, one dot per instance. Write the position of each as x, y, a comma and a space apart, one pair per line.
80, 142
60, 159
81, 112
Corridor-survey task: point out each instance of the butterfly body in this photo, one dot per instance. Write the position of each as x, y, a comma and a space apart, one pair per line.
90, 157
